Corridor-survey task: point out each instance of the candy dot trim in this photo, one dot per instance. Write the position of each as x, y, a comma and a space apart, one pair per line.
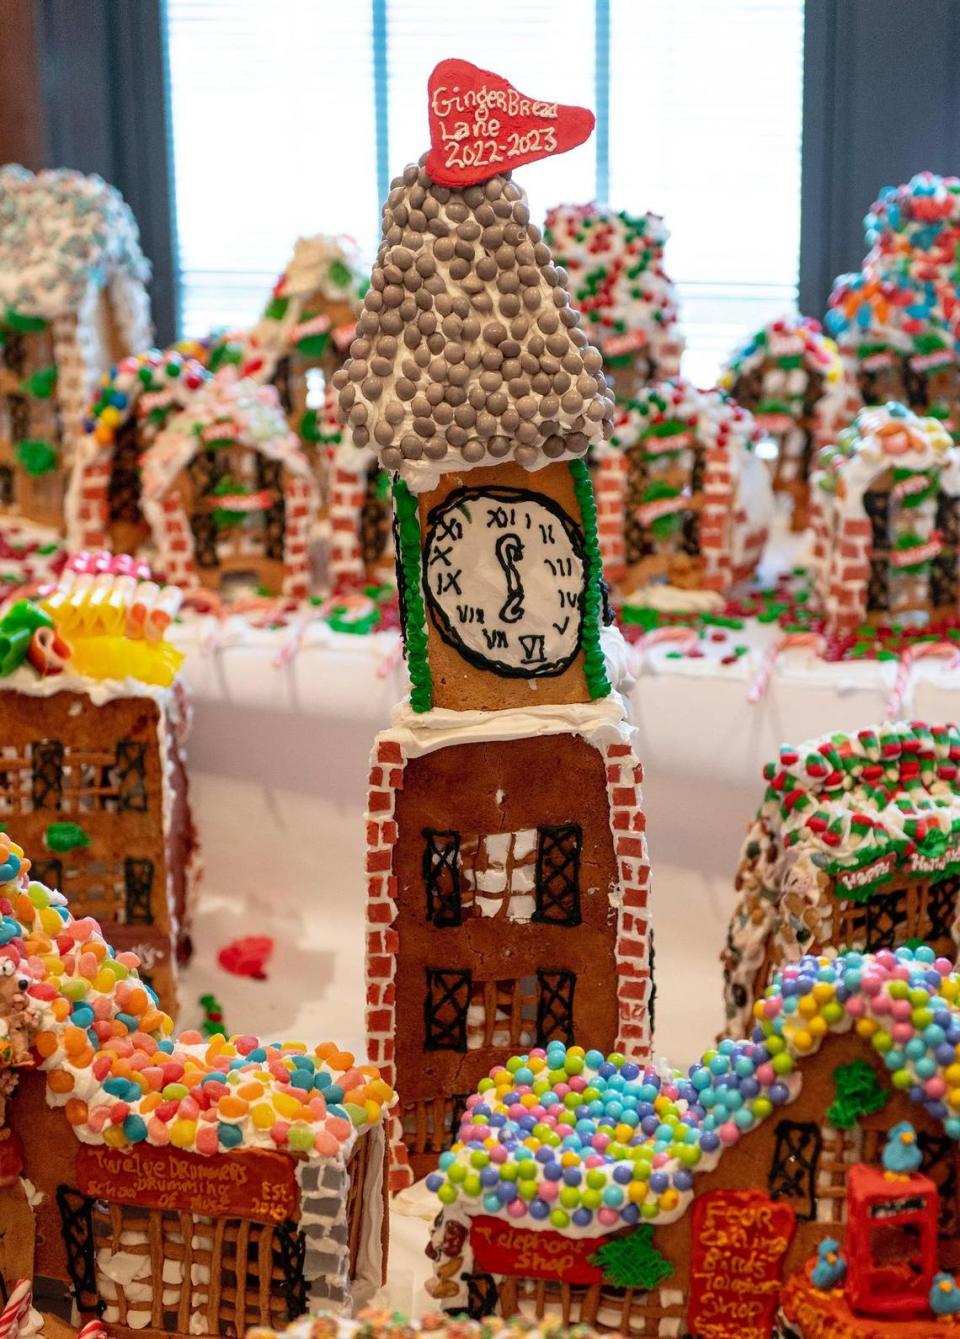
594, 664
414, 611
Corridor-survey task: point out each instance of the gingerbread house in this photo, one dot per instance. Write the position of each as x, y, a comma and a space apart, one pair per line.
172, 1185
360, 511
72, 279
653, 1201
93, 768
302, 338
789, 376
895, 346
132, 404
913, 230
506, 859
856, 845
228, 494
614, 266
886, 523
684, 502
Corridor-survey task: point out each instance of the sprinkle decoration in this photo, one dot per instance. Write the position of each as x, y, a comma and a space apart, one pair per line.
583, 1142
122, 1077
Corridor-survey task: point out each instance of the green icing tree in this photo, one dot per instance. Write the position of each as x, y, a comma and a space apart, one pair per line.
66, 837
858, 1094
632, 1262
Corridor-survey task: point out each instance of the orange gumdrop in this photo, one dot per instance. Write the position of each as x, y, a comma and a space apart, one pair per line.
325, 1050
60, 1009
76, 1111
46, 1044
60, 1081
232, 1106
74, 1039
83, 1058
23, 909
342, 1060
190, 1037
151, 1020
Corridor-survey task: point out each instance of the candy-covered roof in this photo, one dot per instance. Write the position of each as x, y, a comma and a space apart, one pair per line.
374, 1323
614, 268
62, 233
122, 1076
789, 342
883, 437
566, 1138
321, 266
468, 349
662, 417
226, 409
918, 210
148, 384
876, 313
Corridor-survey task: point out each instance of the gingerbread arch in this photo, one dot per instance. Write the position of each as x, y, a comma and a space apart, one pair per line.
228, 492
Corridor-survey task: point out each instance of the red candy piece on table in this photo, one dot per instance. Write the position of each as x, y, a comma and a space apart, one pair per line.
247, 956
481, 125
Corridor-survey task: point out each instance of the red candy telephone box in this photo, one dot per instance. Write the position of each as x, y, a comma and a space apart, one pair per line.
891, 1242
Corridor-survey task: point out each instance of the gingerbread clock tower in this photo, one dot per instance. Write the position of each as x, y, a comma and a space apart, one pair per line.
507, 860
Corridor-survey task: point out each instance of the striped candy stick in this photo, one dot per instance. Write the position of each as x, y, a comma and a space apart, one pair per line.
909, 656
94, 1329
792, 641
17, 1309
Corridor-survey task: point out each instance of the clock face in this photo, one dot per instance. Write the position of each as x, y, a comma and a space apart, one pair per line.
504, 573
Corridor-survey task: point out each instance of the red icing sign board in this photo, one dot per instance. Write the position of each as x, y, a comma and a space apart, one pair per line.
501, 1248
253, 1184
481, 125
740, 1239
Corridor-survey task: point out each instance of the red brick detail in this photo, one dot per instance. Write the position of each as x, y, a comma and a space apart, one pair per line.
633, 946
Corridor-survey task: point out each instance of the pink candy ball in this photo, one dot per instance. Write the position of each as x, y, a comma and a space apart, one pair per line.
516, 1208
935, 1088
901, 1033
549, 1191
594, 1160
902, 1010
600, 1142
855, 1007
498, 1153
577, 1083
766, 1074
608, 1217
871, 985
728, 1132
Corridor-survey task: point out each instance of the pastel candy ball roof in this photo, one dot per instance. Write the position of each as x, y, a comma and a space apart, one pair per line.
60, 233
571, 1139
887, 434
123, 1077
788, 341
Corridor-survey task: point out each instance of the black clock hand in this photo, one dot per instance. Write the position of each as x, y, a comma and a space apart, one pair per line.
509, 551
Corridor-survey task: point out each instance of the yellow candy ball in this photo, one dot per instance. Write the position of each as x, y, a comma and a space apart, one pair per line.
183, 1133
262, 1116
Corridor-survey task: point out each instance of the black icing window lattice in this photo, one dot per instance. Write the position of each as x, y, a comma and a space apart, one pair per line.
942, 908
6, 485
47, 786
558, 875
793, 1172
138, 889
76, 1219
270, 476
886, 920
131, 776
482, 1297
948, 519
293, 1252
445, 1009
441, 876
876, 503
555, 1007
943, 579
205, 536
374, 520
123, 488
878, 586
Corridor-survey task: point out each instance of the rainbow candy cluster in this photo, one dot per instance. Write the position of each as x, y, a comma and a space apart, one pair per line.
123, 1078
579, 1141
165, 377
812, 347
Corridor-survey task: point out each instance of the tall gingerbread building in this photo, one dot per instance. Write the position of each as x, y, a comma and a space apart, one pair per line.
507, 859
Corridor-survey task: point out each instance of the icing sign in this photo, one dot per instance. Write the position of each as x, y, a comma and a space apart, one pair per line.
260, 1185
481, 125
501, 1248
740, 1238
504, 576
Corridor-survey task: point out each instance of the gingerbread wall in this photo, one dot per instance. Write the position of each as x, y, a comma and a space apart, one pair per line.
476, 789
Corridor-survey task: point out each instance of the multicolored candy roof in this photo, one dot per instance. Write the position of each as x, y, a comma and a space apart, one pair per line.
889, 436
149, 384
570, 1139
881, 309
917, 211
789, 342
61, 234
666, 415
614, 267
227, 408
122, 1077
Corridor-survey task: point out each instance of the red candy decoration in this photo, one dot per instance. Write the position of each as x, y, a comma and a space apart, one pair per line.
247, 956
481, 125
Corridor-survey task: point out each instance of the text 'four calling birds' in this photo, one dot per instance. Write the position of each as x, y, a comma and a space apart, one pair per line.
481, 125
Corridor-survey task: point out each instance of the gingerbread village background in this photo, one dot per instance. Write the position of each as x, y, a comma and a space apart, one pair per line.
487, 442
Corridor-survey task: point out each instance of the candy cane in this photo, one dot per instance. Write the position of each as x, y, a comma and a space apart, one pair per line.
672, 632
16, 1310
908, 658
792, 641
94, 1329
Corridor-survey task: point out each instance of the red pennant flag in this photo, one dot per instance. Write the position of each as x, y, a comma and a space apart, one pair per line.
481, 125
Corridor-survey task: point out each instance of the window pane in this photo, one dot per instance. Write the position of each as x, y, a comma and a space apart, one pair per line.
273, 136
705, 127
